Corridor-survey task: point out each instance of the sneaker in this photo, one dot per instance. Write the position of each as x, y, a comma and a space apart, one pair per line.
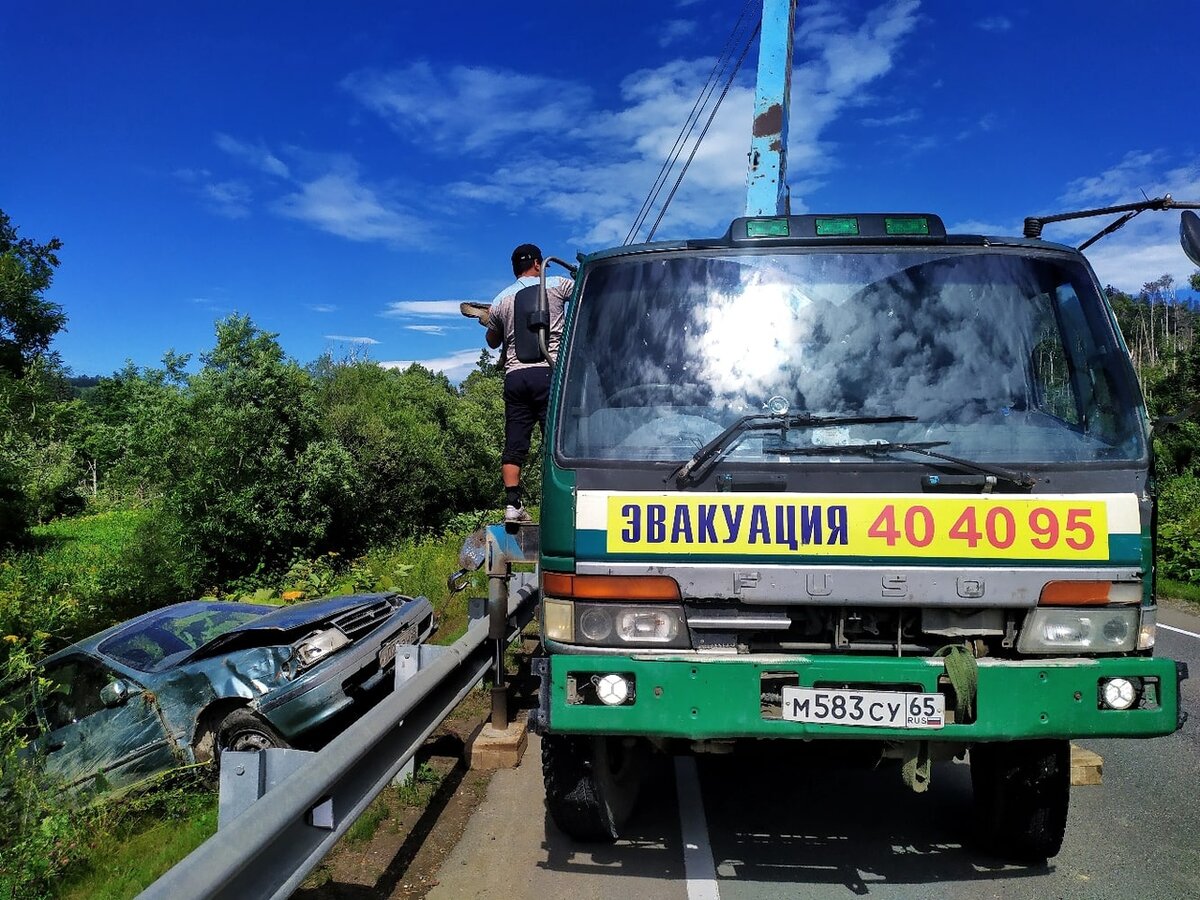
516, 514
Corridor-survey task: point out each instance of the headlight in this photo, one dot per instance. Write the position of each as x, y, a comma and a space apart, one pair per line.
610, 624
1104, 630
318, 645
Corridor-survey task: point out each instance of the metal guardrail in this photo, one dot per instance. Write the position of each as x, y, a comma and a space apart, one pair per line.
270, 848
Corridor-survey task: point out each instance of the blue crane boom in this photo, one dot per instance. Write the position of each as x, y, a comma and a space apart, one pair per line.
766, 182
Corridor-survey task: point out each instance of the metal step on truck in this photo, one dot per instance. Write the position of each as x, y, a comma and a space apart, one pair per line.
846, 477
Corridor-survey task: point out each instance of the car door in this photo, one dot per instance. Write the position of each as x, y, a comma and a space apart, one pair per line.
91, 744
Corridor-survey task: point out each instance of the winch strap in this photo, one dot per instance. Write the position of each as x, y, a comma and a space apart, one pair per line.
917, 767
963, 673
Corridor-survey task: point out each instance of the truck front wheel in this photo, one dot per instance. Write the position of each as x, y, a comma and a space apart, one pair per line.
592, 783
1022, 791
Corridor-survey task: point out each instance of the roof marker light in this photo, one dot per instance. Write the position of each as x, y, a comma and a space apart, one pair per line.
911, 225
840, 226
767, 228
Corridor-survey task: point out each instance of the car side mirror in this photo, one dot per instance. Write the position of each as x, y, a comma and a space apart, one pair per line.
1189, 235
115, 693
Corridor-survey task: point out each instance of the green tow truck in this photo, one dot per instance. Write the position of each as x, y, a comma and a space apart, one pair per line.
847, 478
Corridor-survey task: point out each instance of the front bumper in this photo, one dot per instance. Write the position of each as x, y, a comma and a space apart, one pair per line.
700, 697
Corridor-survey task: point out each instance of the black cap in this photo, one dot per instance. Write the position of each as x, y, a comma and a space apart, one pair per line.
525, 256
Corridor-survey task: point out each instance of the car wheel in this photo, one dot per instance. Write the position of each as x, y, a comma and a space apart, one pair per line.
243, 730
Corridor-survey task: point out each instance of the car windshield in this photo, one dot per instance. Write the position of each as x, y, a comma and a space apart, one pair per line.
993, 355
146, 644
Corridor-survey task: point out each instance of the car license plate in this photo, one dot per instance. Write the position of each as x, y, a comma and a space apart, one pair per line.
387, 653
877, 709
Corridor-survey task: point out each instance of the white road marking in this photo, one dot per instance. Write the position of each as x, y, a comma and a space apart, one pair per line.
698, 865
1179, 630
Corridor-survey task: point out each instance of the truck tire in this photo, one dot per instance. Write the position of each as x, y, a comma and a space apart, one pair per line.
1022, 792
592, 784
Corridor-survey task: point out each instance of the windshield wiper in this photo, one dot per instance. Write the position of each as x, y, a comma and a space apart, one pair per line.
1022, 479
694, 469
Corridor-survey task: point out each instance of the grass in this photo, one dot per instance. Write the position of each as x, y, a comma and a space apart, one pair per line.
125, 861
365, 826
1179, 590
420, 786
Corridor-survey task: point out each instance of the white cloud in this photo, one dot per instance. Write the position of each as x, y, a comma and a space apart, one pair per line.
676, 30
257, 155
456, 366
230, 199
340, 203
350, 340
322, 307
423, 308
597, 172
901, 118
995, 23
469, 108
428, 329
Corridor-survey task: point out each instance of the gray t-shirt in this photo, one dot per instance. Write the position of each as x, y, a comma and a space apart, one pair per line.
558, 291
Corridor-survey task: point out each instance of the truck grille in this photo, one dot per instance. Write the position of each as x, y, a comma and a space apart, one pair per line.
893, 630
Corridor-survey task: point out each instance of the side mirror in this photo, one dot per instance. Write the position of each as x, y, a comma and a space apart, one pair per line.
1189, 235
114, 693
531, 326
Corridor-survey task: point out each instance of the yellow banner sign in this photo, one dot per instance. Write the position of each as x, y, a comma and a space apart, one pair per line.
1017, 528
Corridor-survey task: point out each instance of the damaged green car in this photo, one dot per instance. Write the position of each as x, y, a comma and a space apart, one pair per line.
178, 685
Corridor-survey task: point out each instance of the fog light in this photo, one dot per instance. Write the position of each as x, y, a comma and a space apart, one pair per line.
613, 690
558, 620
1118, 693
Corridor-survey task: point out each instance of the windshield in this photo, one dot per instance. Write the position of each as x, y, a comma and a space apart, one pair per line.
996, 356
146, 645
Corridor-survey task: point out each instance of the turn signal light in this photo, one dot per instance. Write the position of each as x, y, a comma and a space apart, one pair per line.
610, 587
1089, 593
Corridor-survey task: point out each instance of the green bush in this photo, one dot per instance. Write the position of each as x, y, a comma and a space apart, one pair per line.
1179, 528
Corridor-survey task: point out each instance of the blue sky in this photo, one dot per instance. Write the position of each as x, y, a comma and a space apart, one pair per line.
346, 173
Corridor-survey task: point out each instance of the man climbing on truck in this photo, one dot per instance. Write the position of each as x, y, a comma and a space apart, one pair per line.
526, 384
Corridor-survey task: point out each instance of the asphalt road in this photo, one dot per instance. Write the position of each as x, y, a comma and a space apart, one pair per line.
828, 829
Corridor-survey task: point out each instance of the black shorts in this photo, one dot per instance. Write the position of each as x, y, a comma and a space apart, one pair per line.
526, 396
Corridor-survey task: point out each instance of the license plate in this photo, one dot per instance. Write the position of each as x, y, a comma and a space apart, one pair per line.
387, 653
874, 709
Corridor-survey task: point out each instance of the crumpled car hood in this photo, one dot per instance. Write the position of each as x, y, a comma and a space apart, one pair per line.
281, 622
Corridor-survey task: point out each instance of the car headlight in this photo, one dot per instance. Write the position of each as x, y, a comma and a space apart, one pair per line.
1102, 630
320, 644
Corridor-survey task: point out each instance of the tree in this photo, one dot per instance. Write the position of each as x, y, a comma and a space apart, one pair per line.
250, 481
28, 321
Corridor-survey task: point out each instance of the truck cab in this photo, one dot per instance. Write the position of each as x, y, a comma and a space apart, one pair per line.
846, 477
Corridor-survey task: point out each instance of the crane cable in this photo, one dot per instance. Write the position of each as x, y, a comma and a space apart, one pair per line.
690, 123
696, 146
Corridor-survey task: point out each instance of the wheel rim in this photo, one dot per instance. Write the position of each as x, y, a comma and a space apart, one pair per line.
251, 740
